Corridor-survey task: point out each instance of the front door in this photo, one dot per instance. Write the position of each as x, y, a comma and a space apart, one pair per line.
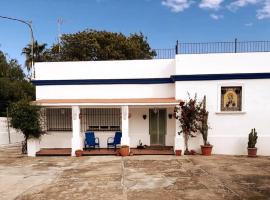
157, 126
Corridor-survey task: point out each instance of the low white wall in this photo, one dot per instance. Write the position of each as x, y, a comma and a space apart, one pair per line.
105, 91
229, 132
56, 139
15, 136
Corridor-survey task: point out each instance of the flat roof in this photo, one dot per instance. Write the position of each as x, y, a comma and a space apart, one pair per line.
106, 102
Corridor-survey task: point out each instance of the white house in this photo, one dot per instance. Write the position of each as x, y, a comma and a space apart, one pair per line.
138, 97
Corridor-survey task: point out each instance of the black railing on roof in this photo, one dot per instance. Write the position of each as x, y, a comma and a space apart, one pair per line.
213, 47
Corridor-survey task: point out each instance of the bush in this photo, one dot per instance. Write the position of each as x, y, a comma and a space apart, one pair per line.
26, 118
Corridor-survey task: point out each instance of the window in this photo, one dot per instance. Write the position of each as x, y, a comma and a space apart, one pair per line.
58, 119
100, 119
231, 98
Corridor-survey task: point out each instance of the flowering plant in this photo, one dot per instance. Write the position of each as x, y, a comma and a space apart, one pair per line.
188, 114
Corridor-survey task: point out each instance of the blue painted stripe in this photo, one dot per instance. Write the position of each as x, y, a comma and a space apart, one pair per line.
207, 77
102, 81
172, 79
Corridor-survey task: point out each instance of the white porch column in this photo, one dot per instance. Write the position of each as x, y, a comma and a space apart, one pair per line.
179, 139
125, 135
76, 142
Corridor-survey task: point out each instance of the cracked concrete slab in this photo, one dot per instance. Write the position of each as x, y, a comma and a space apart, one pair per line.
137, 177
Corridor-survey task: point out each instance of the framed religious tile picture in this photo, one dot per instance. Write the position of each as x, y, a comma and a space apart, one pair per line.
231, 98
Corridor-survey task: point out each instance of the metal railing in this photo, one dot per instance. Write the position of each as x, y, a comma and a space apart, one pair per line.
213, 47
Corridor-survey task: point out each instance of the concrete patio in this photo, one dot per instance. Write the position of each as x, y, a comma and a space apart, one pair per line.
136, 177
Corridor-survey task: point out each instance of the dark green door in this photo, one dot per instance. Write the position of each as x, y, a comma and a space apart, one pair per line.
157, 126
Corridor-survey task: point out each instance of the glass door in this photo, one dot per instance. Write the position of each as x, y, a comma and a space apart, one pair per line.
157, 126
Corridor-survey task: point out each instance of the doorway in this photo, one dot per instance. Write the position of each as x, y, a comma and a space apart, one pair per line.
157, 126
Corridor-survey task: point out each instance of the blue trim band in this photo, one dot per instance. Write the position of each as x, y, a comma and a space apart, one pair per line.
102, 81
172, 79
207, 77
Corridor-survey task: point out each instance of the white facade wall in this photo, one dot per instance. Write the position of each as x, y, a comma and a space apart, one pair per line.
229, 131
222, 63
105, 91
138, 130
122, 69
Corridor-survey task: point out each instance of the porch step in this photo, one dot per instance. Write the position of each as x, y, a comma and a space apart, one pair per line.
54, 152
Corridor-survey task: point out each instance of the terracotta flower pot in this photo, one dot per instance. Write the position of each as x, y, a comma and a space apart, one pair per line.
252, 152
124, 150
178, 152
206, 150
78, 153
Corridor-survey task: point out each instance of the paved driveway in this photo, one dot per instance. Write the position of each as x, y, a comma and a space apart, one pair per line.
137, 177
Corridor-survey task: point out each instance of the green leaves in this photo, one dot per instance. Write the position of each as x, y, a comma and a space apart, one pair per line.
26, 118
94, 45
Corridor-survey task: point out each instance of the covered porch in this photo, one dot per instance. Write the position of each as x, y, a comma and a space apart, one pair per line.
146, 121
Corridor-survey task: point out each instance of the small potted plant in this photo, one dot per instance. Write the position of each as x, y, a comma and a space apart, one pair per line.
203, 128
140, 146
79, 153
178, 152
124, 150
252, 140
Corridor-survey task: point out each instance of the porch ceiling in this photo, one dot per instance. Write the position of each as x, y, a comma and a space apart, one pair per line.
107, 102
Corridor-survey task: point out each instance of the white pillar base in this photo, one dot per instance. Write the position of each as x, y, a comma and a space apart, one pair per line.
33, 146
76, 141
178, 142
76, 144
125, 140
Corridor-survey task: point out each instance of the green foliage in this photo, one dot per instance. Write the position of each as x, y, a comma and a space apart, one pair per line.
203, 122
39, 54
13, 84
99, 45
188, 113
252, 138
26, 118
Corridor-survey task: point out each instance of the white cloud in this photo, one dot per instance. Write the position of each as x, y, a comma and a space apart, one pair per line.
210, 4
241, 3
264, 12
177, 5
216, 17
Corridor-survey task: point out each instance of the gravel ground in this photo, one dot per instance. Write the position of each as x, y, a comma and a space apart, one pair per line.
137, 177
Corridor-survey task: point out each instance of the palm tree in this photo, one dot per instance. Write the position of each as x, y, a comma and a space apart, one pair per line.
39, 51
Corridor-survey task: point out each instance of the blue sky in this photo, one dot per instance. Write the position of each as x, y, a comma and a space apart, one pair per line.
162, 21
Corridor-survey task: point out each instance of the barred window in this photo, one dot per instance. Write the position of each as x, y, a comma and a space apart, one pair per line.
100, 119
58, 119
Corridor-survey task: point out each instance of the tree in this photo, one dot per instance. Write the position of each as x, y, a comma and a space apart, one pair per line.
188, 114
26, 118
13, 83
39, 54
100, 45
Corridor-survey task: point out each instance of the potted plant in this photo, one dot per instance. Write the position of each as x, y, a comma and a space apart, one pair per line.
79, 153
124, 150
203, 128
187, 114
178, 152
252, 140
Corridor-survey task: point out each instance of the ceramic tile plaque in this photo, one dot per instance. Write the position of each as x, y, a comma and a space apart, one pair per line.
231, 98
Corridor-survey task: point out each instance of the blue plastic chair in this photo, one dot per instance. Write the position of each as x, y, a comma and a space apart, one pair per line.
91, 140
114, 141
